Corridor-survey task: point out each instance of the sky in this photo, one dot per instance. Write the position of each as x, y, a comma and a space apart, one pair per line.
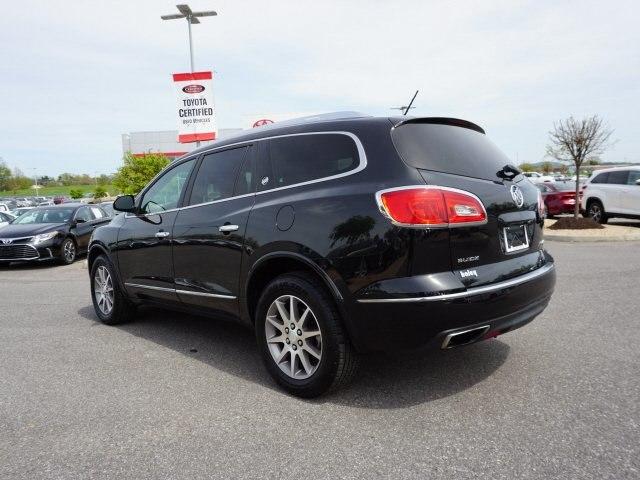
75, 75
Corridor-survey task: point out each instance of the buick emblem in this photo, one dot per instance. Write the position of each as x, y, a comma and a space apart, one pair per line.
6, 241
517, 196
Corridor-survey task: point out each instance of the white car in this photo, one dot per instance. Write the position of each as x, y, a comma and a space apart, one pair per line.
612, 192
536, 177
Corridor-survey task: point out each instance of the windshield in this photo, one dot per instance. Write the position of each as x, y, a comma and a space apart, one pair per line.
45, 215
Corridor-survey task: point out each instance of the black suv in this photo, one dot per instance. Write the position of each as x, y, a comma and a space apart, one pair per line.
334, 236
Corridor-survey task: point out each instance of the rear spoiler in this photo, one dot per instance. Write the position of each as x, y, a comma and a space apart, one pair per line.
456, 122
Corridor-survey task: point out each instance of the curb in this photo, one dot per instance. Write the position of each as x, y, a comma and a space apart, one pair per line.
627, 237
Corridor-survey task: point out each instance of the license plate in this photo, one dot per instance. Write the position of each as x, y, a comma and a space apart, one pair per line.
515, 238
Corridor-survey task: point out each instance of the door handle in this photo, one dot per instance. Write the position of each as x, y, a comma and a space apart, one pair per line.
228, 228
162, 234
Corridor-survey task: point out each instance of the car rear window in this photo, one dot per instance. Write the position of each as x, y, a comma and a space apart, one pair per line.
448, 149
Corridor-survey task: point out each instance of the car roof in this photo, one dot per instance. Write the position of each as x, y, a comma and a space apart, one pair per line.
326, 122
614, 169
62, 205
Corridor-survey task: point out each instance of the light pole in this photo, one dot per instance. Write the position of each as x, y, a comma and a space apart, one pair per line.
192, 18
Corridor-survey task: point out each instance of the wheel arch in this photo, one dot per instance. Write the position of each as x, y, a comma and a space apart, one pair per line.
275, 264
95, 251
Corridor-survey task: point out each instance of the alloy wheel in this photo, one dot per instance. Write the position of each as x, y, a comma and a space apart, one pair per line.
293, 337
595, 212
69, 251
103, 290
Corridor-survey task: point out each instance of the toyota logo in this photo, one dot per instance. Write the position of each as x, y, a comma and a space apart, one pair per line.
517, 196
6, 241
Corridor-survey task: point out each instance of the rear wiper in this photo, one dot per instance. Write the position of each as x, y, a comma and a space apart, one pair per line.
508, 172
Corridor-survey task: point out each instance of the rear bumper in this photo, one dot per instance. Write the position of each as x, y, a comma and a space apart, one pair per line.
425, 322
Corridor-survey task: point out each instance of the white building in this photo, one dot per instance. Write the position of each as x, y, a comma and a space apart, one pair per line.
165, 141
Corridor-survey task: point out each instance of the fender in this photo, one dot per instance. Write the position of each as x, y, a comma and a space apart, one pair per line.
346, 306
310, 263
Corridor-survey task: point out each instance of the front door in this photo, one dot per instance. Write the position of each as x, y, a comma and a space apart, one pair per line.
144, 240
209, 230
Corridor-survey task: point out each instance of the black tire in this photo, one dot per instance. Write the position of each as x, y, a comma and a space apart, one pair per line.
122, 310
339, 360
596, 211
68, 251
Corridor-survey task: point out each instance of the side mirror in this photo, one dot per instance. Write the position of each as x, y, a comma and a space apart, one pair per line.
125, 203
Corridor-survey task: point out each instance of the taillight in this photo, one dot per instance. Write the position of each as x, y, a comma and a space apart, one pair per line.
542, 208
431, 206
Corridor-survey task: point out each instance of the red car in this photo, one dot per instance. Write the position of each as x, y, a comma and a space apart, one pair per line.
558, 198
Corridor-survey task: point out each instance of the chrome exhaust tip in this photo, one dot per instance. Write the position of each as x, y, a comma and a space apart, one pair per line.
464, 337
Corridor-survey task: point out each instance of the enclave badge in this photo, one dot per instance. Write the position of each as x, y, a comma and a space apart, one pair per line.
517, 196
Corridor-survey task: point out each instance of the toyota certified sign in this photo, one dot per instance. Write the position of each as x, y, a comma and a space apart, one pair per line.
195, 112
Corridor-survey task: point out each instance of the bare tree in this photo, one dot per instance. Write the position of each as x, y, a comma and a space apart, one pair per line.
574, 140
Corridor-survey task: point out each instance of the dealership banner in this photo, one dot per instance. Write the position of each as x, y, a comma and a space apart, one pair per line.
194, 107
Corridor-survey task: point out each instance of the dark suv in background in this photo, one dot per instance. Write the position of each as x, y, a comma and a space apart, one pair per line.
333, 236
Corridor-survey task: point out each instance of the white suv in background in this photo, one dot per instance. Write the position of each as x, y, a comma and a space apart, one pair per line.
612, 192
536, 177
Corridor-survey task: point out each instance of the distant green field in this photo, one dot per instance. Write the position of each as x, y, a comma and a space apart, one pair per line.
52, 191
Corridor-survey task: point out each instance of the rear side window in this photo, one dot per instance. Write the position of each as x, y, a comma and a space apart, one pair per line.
448, 149
618, 177
601, 178
302, 158
634, 176
216, 177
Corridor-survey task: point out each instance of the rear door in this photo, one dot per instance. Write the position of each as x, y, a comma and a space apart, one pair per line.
616, 188
208, 234
508, 244
631, 194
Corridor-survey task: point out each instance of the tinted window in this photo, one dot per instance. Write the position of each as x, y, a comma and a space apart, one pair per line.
449, 149
245, 182
217, 176
165, 193
601, 178
302, 158
634, 176
618, 177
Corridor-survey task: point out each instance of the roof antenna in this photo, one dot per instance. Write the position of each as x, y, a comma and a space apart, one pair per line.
411, 103
406, 108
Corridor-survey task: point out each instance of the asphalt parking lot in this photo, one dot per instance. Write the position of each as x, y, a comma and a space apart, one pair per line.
175, 396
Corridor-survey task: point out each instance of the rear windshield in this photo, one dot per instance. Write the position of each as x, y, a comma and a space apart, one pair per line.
449, 149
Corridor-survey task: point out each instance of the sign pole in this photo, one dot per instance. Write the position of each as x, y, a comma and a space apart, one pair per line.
188, 17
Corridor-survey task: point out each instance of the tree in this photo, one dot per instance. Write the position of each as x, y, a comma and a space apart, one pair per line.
574, 140
75, 193
547, 167
137, 171
526, 167
104, 179
5, 176
99, 193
